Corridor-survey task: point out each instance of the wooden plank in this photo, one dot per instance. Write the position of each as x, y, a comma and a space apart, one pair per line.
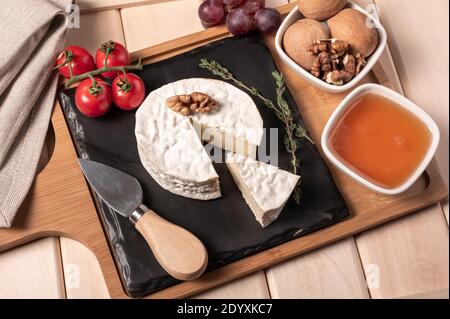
416, 87
177, 46
392, 249
91, 280
253, 286
333, 271
303, 95
82, 274
96, 241
88, 6
386, 74
32, 271
40, 260
435, 294
101, 5
316, 107
96, 28
445, 208
60, 204
418, 38
152, 24
386, 69
410, 254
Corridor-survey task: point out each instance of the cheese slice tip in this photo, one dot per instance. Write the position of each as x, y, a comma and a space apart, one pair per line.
265, 187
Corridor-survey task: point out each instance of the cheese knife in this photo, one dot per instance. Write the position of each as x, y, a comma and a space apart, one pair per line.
177, 250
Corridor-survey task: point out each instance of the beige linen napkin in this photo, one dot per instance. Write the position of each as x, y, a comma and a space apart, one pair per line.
32, 33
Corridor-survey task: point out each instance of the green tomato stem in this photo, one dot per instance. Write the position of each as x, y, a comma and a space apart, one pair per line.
68, 57
94, 89
81, 77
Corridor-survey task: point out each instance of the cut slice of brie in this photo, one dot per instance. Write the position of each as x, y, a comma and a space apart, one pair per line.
265, 187
170, 144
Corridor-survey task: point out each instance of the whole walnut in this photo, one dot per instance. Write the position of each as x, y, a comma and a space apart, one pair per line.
351, 26
299, 37
320, 9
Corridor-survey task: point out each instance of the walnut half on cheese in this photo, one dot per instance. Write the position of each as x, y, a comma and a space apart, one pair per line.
186, 104
265, 188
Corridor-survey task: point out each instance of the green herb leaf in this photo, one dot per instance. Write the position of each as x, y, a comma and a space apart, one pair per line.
281, 110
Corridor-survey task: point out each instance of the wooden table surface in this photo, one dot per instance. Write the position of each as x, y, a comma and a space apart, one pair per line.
408, 257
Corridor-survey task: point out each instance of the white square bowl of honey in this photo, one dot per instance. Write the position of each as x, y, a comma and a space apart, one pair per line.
380, 138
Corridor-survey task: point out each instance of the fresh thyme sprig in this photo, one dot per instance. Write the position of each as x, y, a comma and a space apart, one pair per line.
293, 130
281, 110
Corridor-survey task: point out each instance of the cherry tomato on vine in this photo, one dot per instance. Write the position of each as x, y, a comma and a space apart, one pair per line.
78, 58
128, 91
117, 56
93, 97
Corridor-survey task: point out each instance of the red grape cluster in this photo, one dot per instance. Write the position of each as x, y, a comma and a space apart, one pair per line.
240, 16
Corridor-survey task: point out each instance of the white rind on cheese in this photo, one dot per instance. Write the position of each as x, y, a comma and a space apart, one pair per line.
170, 144
265, 188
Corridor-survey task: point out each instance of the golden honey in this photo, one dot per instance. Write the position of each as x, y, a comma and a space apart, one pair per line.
380, 140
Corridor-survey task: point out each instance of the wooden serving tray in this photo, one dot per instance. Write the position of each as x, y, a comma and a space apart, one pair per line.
60, 203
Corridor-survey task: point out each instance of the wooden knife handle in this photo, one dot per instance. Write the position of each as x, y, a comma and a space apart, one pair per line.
178, 251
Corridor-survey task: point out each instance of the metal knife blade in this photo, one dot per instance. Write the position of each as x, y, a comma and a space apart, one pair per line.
177, 250
120, 191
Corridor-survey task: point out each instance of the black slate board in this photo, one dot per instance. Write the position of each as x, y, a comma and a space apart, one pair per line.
226, 225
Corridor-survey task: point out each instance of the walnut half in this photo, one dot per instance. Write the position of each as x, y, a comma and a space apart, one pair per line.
195, 102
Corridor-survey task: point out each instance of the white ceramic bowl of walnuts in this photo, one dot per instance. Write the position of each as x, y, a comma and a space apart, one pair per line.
339, 20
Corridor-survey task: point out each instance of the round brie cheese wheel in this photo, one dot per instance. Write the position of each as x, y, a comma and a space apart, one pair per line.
170, 144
